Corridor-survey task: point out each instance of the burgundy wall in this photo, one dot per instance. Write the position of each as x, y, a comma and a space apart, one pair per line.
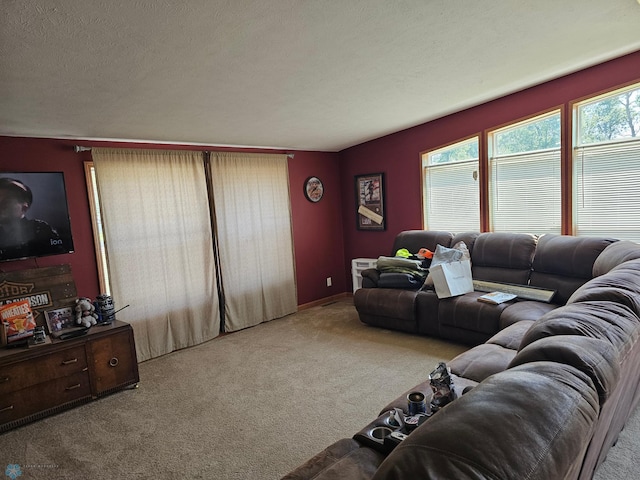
398, 155
317, 228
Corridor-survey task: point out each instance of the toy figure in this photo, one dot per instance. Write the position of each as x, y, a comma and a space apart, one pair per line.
85, 312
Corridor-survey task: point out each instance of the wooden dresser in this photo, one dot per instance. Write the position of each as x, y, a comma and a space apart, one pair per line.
46, 379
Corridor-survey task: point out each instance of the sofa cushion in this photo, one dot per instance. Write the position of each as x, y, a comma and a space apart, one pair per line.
564, 263
346, 459
595, 357
630, 266
482, 361
614, 255
526, 310
548, 407
511, 336
619, 285
491, 357
467, 313
503, 257
598, 319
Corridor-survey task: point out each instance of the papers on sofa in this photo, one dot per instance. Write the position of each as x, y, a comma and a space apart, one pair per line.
452, 279
496, 298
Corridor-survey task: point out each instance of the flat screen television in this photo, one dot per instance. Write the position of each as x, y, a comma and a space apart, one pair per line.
34, 215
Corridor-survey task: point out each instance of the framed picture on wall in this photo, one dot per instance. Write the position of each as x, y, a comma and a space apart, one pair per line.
370, 202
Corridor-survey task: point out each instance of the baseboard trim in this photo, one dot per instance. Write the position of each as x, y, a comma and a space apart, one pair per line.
324, 301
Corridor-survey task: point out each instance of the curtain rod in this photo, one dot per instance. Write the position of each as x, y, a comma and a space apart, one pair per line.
79, 149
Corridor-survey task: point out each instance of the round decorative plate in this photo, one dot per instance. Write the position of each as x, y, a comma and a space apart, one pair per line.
313, 189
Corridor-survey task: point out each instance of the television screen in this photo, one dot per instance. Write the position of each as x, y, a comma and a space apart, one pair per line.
34, 216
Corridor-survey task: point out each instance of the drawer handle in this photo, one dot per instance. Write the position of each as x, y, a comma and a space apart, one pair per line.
113, 362
69, 362
4, 379
73, 387
10, 407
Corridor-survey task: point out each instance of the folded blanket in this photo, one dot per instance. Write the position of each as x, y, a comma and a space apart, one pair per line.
399, 280
398, 262
402, 266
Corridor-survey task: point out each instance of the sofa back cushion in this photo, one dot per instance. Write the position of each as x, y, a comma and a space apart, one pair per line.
414, 240
595, 357
614, 255
564, 263
601, 319
534, 421
620, 285
469, 239
503, 257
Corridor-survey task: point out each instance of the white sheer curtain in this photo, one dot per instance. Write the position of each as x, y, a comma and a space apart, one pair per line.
253, 230
159, 245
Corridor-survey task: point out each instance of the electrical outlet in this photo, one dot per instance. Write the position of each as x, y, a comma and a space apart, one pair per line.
329, 281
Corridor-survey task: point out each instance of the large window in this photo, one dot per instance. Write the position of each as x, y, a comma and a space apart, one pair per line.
525, 176
606, 165
529, 177
451, 194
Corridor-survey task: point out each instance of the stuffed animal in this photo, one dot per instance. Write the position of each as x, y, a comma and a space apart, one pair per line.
85, 312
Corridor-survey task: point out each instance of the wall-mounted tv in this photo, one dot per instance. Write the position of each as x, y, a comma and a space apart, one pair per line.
34, 215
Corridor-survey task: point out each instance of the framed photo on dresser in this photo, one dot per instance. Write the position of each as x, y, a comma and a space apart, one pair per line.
59, 320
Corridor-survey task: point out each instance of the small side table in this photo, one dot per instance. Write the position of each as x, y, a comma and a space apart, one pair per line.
357, 266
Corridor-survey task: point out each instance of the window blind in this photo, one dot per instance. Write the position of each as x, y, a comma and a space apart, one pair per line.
525, 192
607, 190
451, 197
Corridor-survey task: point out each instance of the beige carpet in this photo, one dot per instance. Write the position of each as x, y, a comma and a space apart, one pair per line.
250, 405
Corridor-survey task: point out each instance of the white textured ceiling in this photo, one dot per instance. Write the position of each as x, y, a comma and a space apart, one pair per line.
294, 74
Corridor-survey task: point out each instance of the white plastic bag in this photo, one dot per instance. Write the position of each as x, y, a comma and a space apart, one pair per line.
452, 279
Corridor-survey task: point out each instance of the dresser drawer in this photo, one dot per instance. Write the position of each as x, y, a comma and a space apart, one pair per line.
44, 396
61, 363
114, 363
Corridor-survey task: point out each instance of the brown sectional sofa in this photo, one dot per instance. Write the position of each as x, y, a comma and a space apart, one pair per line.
555, 262
551, 390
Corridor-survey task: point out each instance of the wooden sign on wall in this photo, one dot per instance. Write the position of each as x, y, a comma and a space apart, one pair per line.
45, 288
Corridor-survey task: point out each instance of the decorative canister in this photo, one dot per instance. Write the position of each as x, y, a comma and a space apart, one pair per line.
105, 308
